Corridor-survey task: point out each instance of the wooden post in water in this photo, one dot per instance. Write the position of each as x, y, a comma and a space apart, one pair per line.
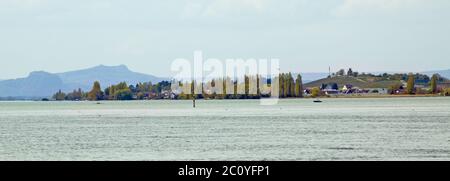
193, 93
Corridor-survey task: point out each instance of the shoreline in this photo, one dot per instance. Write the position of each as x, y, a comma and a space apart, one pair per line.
290, 98
376, 96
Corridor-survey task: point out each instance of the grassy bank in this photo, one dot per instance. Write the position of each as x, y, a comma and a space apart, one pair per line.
379, 96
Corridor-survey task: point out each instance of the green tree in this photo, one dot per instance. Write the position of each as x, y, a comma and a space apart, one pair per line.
281, 85
96, 93
287, 85
111, 92
433, 84
291, 85
340, 72
75, 95
258, 86
247, 86
124, 94
235, 94
410, 84
299, 86
59, 96
107, 92
350, 72
121, 86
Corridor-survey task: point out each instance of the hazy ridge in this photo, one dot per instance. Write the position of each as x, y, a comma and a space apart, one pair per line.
44, 84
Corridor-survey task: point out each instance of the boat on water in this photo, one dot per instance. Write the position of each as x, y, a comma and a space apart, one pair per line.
317, 101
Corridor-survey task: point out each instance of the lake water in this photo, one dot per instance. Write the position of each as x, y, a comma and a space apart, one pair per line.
297, 129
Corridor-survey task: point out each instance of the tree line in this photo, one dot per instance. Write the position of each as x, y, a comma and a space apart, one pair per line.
411, 80
433, 85
288, 88
419, 78
120, 91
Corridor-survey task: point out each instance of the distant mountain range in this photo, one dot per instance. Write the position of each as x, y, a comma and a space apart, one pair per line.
443, 73
309, 77
44, 84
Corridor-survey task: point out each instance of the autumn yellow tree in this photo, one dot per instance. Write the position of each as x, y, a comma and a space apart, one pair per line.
96, 92
433, 84
299, 86
410, 84
315, 92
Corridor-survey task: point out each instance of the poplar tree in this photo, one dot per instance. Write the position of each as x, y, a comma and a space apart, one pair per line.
96, 92
299, 86
224, 88
433, 85
282, 86
235, 94
247, 85
410, 84
286, 85
258, 86
292, 86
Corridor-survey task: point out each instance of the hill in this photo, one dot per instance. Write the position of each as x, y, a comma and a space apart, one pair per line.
35, 85
106, 75
44, 84
362, 82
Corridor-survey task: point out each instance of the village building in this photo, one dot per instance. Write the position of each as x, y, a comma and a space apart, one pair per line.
443, 85
378, 90
330, 88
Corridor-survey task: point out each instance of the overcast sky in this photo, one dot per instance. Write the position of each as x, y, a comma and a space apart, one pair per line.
147, 35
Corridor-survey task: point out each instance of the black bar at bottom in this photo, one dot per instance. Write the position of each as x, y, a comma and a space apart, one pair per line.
222, 170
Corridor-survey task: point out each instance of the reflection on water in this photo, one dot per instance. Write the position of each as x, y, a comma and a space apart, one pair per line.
337, 129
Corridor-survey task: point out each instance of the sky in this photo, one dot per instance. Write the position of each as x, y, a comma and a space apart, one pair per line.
147, 35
